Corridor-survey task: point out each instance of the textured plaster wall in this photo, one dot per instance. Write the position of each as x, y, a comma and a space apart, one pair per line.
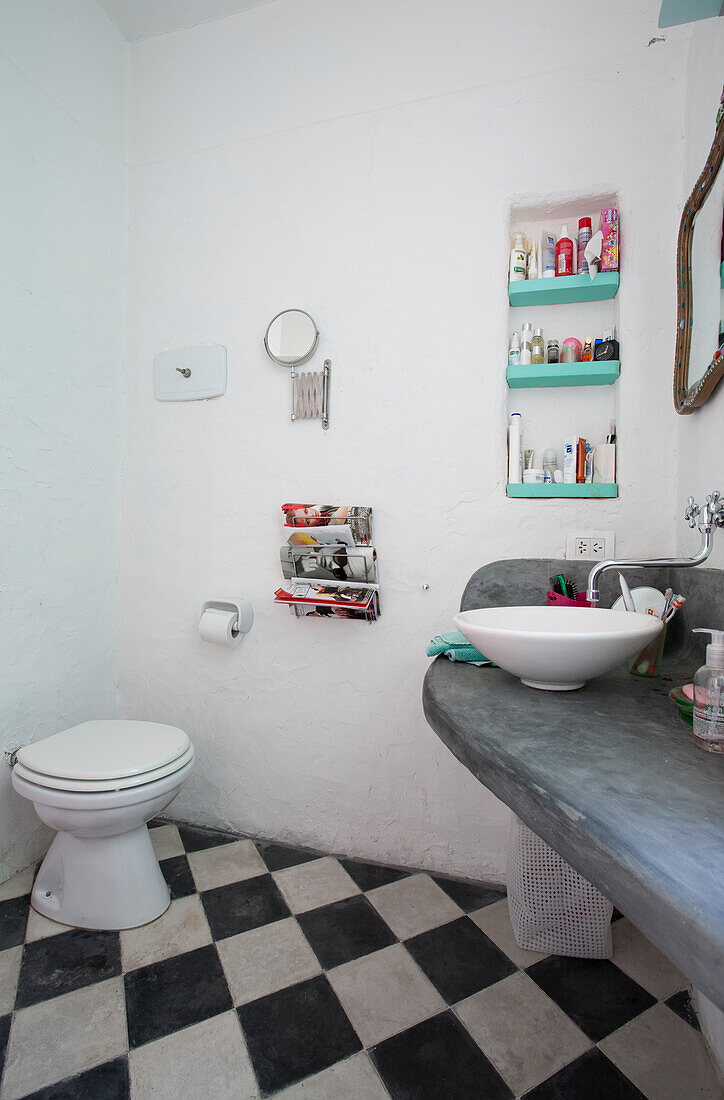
361, 161
62, 197
700, 463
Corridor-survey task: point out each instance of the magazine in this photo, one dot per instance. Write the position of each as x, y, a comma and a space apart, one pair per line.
303, 610
342, 602
334, 535
358, 517
334, 595
329, 563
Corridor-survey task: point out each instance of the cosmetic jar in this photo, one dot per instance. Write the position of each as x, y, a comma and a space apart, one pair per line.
571, 350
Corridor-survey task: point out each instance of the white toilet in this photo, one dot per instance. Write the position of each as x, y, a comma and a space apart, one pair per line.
98, 784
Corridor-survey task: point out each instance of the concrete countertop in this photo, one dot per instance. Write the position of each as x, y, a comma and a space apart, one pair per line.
610, 778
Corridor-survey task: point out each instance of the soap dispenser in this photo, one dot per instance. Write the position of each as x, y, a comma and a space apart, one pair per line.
709, 695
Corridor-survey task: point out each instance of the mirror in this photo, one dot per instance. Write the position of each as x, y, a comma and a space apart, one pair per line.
699, 362
291, 338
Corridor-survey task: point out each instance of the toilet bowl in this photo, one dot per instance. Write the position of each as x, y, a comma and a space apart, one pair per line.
98, 784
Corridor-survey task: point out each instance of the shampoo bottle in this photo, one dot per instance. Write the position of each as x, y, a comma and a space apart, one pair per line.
518, 258
709, 695
564, 253
548, 255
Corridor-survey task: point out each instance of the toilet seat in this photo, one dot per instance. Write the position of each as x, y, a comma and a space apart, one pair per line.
105, 756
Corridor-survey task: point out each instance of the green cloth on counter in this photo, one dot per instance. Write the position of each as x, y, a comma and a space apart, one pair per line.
456, 646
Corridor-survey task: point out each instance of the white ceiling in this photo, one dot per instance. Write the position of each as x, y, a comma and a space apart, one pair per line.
145, 18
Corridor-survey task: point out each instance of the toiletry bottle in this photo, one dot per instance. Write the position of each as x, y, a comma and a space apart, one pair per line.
515, 442
514, 350
709, 695
518, 258
569, 460
548, 255
537, 348
609, 247
584, 236
533, 262
553, 351
589, 463
581, 451
550, 463
571, 350
526, 342
587, 353
564, 253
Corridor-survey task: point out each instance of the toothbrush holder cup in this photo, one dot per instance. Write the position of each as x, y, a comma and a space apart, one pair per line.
648, 661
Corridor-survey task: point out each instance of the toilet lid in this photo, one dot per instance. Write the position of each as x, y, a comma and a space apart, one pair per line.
106, 750
100, 786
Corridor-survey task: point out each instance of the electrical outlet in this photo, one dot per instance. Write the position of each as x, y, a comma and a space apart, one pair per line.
593, 546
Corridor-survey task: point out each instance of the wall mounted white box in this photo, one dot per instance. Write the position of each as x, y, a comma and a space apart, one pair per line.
190, 374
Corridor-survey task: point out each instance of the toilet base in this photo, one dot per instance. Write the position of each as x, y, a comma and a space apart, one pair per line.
105, 883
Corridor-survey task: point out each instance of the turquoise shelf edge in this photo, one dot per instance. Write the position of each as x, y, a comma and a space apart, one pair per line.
567, 288
675, 12
563, 374
596, 491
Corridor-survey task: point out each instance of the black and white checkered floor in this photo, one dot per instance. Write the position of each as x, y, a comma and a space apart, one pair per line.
281, 972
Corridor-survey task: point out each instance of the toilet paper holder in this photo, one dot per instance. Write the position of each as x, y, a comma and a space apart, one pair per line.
244, 612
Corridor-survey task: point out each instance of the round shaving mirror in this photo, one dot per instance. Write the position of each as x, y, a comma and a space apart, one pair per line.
291, 338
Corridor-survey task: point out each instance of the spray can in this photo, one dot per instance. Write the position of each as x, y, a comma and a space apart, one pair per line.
584, 236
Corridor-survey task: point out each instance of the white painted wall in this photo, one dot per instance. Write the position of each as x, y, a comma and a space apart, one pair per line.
62, 204
360, 161
700, 463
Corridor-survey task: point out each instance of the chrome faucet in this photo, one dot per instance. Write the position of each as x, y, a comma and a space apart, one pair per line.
706, 518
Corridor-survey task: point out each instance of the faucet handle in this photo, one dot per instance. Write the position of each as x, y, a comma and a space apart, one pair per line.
692, 512
715, 505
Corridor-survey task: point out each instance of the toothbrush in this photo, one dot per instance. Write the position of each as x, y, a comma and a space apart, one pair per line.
676, 603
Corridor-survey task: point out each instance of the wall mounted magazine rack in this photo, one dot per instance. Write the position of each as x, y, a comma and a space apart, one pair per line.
329, 562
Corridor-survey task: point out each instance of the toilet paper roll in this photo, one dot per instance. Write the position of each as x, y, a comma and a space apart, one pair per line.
218, 626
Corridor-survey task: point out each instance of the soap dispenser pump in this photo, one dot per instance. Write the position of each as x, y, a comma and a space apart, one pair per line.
709, 695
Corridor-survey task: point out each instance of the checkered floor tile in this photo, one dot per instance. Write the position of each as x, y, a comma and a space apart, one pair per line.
283, 972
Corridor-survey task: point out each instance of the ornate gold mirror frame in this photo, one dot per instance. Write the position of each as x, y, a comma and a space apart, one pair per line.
687, 397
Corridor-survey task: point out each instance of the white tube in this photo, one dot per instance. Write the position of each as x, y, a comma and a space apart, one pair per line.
515, 440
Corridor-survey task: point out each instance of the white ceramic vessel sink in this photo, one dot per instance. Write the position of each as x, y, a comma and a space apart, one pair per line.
557, 648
